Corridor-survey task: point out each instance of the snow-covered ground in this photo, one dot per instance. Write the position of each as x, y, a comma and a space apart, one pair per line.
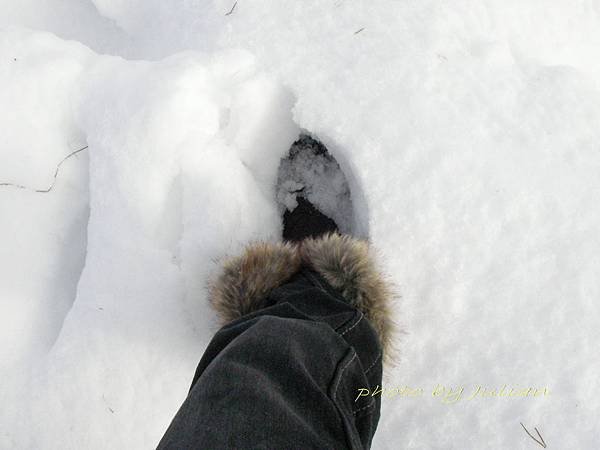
468, 130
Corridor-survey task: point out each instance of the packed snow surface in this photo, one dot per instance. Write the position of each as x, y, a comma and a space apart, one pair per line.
469, 136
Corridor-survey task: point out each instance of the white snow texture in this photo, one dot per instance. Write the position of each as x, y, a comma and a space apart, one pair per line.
468, 131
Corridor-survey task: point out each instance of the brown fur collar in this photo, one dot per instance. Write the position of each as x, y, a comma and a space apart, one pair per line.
345, 262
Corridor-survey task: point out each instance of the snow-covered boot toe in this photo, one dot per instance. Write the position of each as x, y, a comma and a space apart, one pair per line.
306, 221
312, 192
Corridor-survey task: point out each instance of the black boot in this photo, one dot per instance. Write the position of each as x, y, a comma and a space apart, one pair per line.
305, 221
305, 176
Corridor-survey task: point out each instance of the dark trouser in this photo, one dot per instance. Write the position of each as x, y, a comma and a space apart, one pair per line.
285, 377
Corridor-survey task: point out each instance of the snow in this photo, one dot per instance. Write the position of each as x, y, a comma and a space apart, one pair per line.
468, 133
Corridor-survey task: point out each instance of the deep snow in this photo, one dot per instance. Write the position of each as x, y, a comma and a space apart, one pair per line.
468, 131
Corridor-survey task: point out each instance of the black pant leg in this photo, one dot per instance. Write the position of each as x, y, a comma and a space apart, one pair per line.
285, 377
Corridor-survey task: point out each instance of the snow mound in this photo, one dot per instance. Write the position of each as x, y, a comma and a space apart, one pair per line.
183, 156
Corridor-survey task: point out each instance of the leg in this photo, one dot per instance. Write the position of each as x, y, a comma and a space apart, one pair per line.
285, 376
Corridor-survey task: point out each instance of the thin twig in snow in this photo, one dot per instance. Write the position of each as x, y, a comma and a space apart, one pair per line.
540, 436
112, 411
45, 191
231, 10
358, 31
542, 443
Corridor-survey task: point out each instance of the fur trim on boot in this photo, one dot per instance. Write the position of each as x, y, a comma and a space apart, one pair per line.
246, 280
347, 265
344, 262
